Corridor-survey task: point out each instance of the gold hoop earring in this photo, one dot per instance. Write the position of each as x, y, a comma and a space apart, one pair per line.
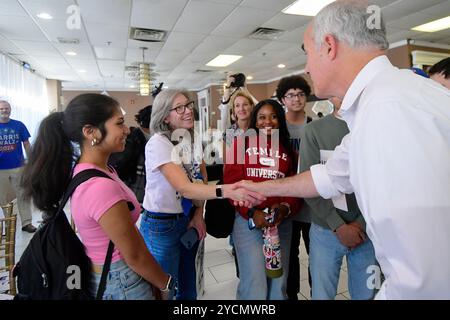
94, 142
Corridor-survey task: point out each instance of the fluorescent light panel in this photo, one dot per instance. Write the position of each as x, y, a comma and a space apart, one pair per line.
306, 7
434, 26
223, 60
45, 16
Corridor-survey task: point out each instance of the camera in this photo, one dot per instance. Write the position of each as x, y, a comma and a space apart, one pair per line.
239, 80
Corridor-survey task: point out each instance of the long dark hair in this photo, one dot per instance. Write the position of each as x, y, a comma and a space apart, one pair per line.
283, 130
143, 117
49, 167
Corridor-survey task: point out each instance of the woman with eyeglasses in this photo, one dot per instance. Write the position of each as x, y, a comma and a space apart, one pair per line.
174, 170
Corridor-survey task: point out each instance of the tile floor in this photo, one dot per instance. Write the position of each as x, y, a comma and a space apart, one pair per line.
220, 273
219, 269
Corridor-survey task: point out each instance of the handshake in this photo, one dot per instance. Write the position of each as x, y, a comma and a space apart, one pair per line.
244, 193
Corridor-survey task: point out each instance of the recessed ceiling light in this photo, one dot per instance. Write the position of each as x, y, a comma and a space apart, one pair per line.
44, 15
249, 78
82, 71
434, 26
223, 60
165, 87
132, 86
281, 66
71, 53
306, 7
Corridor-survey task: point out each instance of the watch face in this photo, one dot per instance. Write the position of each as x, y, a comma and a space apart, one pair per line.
218, 192
172, 283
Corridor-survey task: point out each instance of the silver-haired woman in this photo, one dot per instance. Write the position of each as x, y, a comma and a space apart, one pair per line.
170, 182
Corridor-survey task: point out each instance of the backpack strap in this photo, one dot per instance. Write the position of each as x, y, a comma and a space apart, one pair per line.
78, 179
105, 271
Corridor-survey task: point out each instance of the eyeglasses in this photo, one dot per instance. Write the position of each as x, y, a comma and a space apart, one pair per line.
293, 95
181, 109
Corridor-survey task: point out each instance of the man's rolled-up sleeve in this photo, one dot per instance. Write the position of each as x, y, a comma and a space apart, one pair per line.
333, 178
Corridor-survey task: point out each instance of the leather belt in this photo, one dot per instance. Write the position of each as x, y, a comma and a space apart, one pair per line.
169, 216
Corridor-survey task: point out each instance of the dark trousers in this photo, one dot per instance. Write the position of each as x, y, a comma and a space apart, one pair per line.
299, 229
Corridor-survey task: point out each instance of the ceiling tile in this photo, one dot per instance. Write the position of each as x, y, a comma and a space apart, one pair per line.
57, 28
100, 34
410, 21
242, 22
111, 67
182, 42
135, 55
37, 48
287, 22
11, 8
9, 47
210, 47
156, 14
246, 46
56, 8
110, 52
106, 11
21, 28
83, 51
438, 11
202, 16
404, 8
270, 5
295, 36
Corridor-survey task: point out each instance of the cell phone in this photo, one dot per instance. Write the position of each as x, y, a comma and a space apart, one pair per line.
189, 238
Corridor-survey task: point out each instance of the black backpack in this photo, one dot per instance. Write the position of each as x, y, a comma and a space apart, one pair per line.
54, 266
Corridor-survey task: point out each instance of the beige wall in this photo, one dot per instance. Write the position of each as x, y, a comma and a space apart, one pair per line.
401, 56
130, 101
54, 94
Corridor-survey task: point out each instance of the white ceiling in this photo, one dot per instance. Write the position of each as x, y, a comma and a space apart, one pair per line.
198, 30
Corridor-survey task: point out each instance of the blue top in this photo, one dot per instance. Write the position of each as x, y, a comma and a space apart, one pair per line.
12, 134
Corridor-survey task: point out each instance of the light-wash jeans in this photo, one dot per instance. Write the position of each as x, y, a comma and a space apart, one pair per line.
123, 284
325, 260
253, 282
162, 238
11, 178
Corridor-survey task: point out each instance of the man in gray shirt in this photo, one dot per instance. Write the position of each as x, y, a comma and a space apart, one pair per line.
292, 92
338, 228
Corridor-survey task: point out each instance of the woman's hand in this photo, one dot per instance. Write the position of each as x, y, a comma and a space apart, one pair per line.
259, 218
198, 223
282, 212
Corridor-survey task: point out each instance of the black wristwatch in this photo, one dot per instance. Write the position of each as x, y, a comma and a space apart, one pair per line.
170, 285
219, 193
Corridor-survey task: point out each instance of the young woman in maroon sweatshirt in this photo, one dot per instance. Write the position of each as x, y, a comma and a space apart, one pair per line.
262, 153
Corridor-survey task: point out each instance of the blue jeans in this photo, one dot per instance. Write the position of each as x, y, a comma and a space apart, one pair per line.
162, 238
123, 284
253, 282
325, 260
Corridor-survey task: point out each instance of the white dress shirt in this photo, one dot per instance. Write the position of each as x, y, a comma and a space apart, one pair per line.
396, 159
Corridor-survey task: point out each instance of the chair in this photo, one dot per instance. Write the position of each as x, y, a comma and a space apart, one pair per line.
8, 245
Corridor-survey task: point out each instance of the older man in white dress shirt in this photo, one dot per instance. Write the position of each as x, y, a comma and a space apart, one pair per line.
396, 157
